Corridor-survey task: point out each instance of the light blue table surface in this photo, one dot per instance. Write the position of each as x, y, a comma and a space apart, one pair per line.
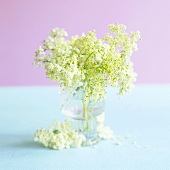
144, 114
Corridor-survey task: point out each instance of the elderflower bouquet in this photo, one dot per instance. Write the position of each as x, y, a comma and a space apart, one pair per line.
87, 64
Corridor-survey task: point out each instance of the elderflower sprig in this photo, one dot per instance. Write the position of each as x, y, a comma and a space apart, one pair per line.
59, 136
88, 62
104, 132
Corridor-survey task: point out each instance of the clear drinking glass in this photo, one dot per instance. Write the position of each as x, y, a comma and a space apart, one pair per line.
72, 107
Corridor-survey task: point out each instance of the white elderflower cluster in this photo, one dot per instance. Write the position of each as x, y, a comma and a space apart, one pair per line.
88, 62
104, 132
59, 136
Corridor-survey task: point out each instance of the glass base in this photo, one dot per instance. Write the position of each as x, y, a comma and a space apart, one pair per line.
88, 128
91, 142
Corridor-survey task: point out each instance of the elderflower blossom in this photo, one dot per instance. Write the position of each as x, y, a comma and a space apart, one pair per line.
104, 132
59, 136
88, 62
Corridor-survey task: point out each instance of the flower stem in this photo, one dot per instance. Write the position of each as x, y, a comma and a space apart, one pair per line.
85, 116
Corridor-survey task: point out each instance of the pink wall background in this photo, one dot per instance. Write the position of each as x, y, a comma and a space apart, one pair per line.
25, 23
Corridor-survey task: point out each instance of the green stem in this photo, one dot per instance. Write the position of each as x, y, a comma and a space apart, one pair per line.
85, 111
85, 116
